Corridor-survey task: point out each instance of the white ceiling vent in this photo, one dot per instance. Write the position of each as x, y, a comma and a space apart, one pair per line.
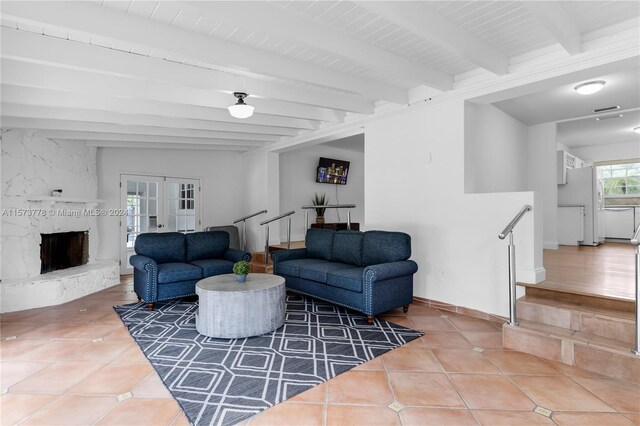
606, 109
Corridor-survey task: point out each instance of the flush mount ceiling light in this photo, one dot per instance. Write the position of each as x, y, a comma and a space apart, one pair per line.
240, 109
590, 87
636, 129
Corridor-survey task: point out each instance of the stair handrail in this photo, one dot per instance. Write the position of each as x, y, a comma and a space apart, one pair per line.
514, 222
242, 219
328, 206
244, 225
266, 242
508, 230
635, 241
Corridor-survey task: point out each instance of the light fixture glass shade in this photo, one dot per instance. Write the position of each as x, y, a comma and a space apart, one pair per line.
636, 129
590, 87
241, 110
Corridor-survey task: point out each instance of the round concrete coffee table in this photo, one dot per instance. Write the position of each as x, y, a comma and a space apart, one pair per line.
229, 309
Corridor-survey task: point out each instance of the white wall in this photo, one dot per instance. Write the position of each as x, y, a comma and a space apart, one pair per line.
261, 187
451, 232
220, 173
542, 177
495, 153
608, 152
298, 186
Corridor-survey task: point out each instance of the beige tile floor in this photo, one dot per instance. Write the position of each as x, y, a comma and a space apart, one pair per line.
69, 364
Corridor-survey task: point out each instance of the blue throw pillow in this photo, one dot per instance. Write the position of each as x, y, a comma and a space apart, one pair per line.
162, 247
318, 243
383, 247
347, 247
206, 245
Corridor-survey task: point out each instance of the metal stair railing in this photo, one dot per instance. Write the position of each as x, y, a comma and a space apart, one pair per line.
635, 240
266, 242
328, 206
508, 231
244, 225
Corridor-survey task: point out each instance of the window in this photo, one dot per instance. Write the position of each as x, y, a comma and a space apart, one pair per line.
620, 180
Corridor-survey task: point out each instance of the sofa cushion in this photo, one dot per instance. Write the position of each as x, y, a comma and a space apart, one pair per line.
319, 271
177, 271
349, 279
292, 267
383, 247
212, 267
162, 247
347, 247
206, 245
318, 243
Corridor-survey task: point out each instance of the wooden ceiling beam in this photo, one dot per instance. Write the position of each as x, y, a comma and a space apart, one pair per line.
70, 80
33, 96
558, 22
33, 47
425, 22
266, 19
92, 19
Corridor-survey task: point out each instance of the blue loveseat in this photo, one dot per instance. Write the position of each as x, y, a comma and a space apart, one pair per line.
365, 271
168, 265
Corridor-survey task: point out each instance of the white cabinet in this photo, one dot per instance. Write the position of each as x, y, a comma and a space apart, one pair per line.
564, 162
619, 222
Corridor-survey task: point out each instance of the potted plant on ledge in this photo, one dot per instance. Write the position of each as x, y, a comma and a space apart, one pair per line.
320, 200
241, 269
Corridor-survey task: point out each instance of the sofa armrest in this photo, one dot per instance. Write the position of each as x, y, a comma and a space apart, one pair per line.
236, 255
145, 277
143, 263
283, 255
386, 271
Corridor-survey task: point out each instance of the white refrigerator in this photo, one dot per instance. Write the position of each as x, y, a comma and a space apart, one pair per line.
584, 187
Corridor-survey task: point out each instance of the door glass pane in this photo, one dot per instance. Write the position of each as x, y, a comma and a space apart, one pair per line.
153, 189
153, 207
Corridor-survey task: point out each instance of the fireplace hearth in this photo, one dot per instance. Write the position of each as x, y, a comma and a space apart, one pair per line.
62, 250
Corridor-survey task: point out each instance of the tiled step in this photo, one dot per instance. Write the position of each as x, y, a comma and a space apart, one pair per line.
578, 316
591, 352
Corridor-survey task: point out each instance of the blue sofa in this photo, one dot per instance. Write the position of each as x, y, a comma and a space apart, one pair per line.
168, 265
365, 271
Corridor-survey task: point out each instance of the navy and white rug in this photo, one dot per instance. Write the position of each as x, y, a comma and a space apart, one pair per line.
226, 381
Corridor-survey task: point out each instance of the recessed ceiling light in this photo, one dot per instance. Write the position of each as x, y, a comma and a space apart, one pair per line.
636, 129
590, 87
609, 117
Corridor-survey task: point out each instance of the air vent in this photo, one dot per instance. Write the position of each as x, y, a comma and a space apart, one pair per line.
609, 117
606, 109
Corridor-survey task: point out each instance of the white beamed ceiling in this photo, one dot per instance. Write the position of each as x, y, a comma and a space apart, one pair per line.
161, 73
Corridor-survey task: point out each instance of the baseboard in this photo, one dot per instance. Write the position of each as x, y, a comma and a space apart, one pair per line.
551, 245
458, 309
532, 276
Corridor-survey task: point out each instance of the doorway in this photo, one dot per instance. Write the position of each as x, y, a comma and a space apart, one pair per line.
156, 204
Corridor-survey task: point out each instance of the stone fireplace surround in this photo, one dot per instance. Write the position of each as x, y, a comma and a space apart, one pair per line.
31, 167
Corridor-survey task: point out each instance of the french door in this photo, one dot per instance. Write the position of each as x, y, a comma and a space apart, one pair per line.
156, 204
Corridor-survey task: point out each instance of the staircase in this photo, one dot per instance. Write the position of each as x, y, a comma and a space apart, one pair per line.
590, 332
257, 257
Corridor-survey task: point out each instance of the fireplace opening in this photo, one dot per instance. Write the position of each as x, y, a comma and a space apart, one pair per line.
63, 250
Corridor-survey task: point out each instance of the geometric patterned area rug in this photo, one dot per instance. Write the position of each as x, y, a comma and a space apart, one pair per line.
226, 381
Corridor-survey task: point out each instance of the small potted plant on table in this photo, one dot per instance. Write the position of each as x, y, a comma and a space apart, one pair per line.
320, 200
241, 269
